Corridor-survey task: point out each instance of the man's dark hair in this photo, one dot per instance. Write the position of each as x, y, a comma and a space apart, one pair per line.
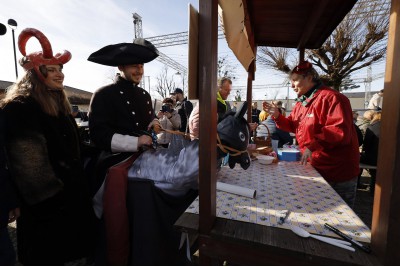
168, 100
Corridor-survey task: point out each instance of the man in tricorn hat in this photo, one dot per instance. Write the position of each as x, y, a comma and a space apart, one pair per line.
120, 116
120, 113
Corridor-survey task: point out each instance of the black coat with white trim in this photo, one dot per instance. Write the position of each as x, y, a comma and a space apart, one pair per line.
119, 108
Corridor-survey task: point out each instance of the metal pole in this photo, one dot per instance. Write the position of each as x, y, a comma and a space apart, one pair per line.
287, 98
15, 55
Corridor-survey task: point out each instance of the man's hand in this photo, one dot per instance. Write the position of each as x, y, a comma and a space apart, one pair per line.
144, 140
13, 215
155, 124
307, 154
271, 108
168, 114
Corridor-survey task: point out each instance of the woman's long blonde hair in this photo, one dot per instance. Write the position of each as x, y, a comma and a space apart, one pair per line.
52, 102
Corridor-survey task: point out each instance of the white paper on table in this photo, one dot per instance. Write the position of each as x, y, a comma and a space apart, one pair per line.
237, 190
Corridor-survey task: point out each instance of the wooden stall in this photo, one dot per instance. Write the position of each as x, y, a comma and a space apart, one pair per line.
300, 24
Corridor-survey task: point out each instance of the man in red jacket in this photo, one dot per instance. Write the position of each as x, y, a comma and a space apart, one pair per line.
323, 123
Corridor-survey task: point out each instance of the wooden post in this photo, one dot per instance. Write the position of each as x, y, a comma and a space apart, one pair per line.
386, 213
249, 96
207, 67
301, 54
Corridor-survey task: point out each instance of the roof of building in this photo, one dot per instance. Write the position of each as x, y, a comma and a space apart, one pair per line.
75, 95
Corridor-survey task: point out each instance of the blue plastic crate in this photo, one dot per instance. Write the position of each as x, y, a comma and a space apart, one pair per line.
288, 154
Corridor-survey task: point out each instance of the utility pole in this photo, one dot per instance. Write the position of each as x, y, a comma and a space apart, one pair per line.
367, 83
137, 22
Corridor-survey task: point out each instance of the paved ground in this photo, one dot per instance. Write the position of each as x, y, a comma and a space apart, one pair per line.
364, 200
362, 207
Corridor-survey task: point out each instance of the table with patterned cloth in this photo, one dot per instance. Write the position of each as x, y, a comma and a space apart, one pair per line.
286, 186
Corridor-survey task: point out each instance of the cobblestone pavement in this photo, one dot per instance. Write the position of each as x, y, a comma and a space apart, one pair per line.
362, 207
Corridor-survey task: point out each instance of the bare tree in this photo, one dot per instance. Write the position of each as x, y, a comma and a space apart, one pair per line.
165, 83
224, 68
359, 41
271, 93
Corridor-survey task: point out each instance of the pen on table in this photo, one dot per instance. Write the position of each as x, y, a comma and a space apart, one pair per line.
283, 218
348, 238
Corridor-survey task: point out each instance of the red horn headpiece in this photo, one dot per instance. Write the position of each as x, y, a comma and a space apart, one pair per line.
45, 57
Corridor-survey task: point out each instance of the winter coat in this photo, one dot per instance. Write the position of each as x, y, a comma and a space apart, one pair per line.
45, 165
369, 154
122, 108
172, 123
118, 108
194, 121
324, 125
184, 109
8, 198
223, 107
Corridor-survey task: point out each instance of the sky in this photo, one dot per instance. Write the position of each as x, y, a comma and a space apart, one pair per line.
83, 27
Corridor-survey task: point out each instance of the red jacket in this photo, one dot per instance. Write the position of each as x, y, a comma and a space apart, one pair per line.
325, 126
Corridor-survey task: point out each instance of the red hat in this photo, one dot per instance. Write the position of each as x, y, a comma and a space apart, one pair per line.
36, 59
303, 68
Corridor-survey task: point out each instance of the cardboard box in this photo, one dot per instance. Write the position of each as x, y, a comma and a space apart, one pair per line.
288, 154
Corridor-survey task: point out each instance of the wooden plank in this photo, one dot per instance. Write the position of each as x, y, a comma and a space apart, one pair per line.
187, 222
249, 97
312, 21
386, 211
208, 38
235, 252
240, 241
248, 24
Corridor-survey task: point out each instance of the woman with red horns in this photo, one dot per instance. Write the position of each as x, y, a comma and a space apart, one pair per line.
43, 150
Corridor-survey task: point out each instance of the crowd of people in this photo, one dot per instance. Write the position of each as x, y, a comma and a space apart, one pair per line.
58, 204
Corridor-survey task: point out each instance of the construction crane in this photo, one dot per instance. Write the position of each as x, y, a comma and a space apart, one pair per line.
137, 22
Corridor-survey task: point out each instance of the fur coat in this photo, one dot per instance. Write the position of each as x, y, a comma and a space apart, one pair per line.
45, 165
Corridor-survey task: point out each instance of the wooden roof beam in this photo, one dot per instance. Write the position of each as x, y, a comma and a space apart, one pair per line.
248, 24
252, 68
311, 23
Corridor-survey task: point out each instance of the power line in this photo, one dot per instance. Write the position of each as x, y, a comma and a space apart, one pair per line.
181, 38
178, 38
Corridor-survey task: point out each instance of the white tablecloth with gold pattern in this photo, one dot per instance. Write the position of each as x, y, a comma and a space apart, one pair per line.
286, 186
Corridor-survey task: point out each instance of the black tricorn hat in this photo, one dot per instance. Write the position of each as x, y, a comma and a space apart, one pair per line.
3, 29
139, 52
